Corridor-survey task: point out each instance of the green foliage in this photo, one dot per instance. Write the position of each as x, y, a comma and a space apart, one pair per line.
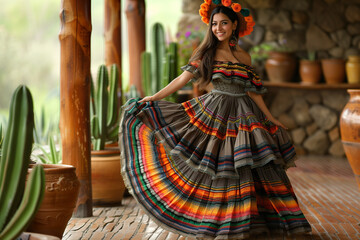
46, 127
18, 206
104, 108
50, 156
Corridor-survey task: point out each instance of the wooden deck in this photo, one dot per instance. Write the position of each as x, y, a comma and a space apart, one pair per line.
325, 186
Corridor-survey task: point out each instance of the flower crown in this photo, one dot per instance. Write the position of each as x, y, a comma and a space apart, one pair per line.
245, 19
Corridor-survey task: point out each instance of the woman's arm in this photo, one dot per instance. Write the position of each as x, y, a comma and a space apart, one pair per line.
260, 103
172, 87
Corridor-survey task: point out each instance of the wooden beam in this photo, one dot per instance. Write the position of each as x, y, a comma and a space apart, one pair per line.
135, 14
112, 35
75, 16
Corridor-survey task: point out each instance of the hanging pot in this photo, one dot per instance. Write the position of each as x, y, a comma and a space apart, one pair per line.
310, 71
107, 183
350, 131
280, 66
61, 193
353, 69
334, 70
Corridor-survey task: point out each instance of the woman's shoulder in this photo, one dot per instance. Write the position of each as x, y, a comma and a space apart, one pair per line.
242, 56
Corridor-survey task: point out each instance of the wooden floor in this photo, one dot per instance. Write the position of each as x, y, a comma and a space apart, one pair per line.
325, 186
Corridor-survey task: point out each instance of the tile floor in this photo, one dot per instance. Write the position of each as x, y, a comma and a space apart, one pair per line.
325, 186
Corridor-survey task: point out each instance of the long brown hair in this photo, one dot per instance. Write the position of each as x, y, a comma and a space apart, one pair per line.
207, 49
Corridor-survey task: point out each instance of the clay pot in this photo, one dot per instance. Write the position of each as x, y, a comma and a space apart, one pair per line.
310, 71
334, 70
61, 193
37, 236
107, 183
280, 66
353, 69
350, 131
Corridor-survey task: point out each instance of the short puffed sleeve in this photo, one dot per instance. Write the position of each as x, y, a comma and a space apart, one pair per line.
254, 84
193, 68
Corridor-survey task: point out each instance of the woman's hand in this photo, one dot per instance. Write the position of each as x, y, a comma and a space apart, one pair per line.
278, 123
147, 99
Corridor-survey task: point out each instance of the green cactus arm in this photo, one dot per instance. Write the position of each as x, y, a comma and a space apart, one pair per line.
159, 51
102, 103
92, 98
113, 133
16, 152
146, 72
33, 195
113, 99
95, 127
173, 49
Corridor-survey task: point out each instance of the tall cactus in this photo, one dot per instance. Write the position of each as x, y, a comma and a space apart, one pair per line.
159, 51
14, 164
105, 115
146, 72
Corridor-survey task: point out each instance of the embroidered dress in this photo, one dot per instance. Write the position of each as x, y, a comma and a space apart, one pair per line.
214, 166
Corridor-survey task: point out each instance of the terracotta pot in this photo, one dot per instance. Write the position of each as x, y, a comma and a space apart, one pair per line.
61, 193
310, 71
107, 183
37, 236
353, 69
334, 70
350, 131
280, 66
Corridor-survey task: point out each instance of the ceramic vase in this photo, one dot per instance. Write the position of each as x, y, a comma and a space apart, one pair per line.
353, 69
61, 193
280, 67
107, 183
333, 70
350, 131
310, 72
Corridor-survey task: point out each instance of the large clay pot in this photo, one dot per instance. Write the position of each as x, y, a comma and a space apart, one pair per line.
280, 66
61, 193
107, 183
353, 69
310, 71
350, 131
334, 70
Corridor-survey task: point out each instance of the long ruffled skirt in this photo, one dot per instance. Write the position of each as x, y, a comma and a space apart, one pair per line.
212, 167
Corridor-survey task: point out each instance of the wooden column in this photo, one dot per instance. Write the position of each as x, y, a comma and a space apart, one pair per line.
75, 16
135, 14
112, 36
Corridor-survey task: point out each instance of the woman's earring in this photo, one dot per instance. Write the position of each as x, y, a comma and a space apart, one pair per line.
233, 41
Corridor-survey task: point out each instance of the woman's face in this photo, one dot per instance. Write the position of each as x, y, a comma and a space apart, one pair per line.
222, 27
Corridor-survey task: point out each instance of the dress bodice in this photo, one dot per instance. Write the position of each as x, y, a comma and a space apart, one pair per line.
233, 78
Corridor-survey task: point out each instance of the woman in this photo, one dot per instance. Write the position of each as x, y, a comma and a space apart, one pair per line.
214, 166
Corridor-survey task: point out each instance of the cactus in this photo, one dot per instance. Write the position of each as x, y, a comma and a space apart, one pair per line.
159, 51
17, 207
104, 107
146, 72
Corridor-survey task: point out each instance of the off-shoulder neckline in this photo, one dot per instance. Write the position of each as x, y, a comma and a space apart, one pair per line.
231, 63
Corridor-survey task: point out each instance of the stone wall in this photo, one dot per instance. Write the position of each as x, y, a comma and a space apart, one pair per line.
331, 28
312, 117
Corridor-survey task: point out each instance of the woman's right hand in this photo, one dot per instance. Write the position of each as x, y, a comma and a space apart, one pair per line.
278, 123
147, 99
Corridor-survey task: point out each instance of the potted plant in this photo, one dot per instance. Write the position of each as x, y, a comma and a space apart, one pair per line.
62, 189
107, 183
281, 64
18, 204
310, 69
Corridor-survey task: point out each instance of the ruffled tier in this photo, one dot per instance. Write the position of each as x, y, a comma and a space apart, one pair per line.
187, 180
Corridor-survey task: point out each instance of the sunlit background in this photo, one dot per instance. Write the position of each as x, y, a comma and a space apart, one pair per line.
30, 48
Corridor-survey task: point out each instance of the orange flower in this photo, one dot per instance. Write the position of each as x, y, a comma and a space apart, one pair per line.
249, 19
226, 3
205, 20
208, 2
251, 24
203, 13
205, 6
236, 7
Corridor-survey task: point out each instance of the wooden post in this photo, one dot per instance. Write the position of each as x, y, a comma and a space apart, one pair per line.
135, 14
112, 35
75, 16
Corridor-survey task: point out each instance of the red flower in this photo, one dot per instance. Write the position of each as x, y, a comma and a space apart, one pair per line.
236, 7
205, 20
203, 13
249, 19
205, 6
226, 3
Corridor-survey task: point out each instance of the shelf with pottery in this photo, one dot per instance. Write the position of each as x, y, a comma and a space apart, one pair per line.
299, 85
